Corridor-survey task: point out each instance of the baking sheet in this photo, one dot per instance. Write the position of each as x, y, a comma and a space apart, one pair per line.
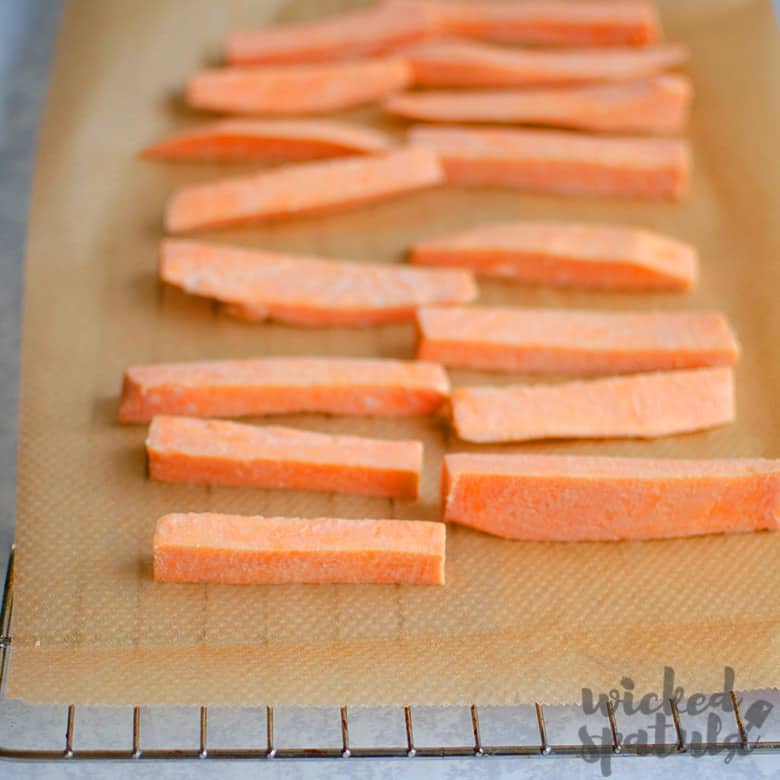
516, 622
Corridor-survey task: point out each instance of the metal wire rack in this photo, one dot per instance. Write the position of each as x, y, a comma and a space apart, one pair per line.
541, 748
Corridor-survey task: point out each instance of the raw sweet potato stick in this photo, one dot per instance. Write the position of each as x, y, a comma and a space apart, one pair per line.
654, 105
560, 163
639, 405
306, 188
375, 30
240, 550
565, 341
238, 388
217, 452
587, 22
308, 290
567, 254
297, 89
270, 139
453, 63
559, 498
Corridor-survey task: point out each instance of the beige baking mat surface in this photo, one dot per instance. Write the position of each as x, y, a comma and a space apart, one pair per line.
516, 622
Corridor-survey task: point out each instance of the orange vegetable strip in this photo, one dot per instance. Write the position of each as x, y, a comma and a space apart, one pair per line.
567, 254
307, 188
454, 63
639, 405
558, 341
231, 140
655, 105
575, 498
242, 550
560, 163
376, 30
309, 290
297, 89
216, 452
588, 23
238, 388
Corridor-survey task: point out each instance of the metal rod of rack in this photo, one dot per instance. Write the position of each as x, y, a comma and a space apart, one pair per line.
677, 726
348, 751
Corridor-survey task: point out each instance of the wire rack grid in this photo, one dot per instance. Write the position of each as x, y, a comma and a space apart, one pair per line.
541, 748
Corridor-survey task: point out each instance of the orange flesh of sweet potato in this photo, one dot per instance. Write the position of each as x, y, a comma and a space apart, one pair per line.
231, 140
567, 254
558, 341
297, 89
576, 498
454, 63
241, 550
560, 163
655, 105
376, 30
217, 452
589, 23
308, 290
307, 188
638, 405
237, 388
